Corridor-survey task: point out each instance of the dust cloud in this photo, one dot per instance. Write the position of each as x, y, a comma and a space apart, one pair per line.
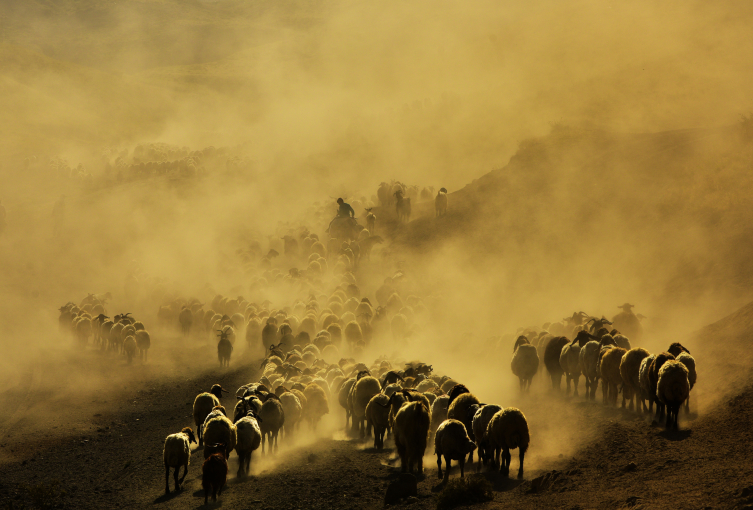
595, 154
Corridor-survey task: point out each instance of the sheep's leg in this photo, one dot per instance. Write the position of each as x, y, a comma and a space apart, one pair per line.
687, 405
263, 440
521, 457
576, 380
567, 390
175, 477
167, 480
506, 457
470, 458
276, 446
185, 473
439, 465
495, 459
462, 467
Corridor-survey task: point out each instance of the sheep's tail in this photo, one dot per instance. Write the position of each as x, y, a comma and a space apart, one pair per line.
514, 440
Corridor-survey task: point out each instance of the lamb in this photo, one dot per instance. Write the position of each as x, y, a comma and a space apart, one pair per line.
507, 430
177, 453
203, 405
570, 363
552, 360
653, 378
224, 349
219, 430
249, 437
610, 374
673, 389
377, 416
645, 383
689, 362
411, 433
440, 202
525, 363
143, 342
360, 395
129, 346
452, 443
214, 474
480, 425
630, 368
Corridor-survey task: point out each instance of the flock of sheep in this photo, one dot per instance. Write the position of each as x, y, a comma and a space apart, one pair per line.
582, 345
122, 334
312, 357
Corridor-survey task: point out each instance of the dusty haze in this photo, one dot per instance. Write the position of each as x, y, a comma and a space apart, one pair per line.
615, 136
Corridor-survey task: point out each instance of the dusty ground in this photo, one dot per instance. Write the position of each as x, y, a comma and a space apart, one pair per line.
102, 449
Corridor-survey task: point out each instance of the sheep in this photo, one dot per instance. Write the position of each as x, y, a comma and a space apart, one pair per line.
214, 474
360, 395
587, 358
402, 207
525, 363
676, 348
224, 349
129, 346
272, 420
645, 384
411, 433
317, 404
610, 374
377, 416
461, 408
249, 437
143, 342
452, 443
343, 395
177, 453
653, 378
689, 362
269, 333
292, 408
672, 389
570, 363
186, 320
439, 412
507, 430
440, 203
552, 360
480, 425
621, 341
630, 367
370, 221
219, 430
203, 405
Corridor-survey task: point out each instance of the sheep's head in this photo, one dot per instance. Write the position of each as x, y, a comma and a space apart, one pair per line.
456, 391
188, 432
217, 391
583, 337
676, 348
522, 339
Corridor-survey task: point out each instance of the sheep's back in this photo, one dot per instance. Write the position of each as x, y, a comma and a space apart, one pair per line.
552, 354
509, 428
248, 435
177, 451
673, 386
689, 362
643, 378
630, 367
525, 361
610, 365
375, 413
569, 359
202, 406
451, 440
220, 430
272, 415
412, 424
459, 409
481, 421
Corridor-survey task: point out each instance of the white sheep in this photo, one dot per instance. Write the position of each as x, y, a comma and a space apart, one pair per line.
203, 405
645, 383
452, 443
570, 363
439, 411
219, 430
177, 454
